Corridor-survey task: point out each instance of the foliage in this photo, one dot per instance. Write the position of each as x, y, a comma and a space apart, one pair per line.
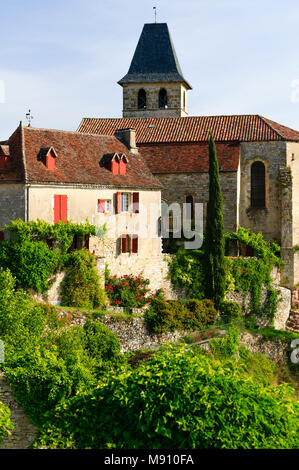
247, 275
45, 363
179, 314
214, 241
38, 250
5, 423
227, 346
187, 270
177, 399
128, 291
258, 366
81, 285
32, 263
231, 311
61, 233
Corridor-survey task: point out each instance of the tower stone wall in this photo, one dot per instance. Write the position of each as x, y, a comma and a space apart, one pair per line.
176, 100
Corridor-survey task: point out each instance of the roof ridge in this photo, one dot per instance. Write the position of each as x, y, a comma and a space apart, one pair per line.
68, 132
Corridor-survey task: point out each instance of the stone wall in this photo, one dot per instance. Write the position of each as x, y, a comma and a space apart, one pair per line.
283, 309
265, 220
176, 186
24, 431
12, 202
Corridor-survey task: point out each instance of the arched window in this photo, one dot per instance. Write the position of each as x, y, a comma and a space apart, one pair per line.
258, 187
141, 99
190, 207
162, 98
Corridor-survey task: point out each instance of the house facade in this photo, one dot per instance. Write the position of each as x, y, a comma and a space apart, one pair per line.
58, 175
258, 158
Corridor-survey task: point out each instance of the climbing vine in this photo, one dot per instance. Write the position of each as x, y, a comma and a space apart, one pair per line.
244, 274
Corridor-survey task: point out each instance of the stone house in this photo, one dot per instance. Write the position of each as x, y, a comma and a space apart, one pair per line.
59, 175
258, 158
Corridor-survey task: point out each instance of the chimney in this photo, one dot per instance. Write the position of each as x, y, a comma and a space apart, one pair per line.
128, 137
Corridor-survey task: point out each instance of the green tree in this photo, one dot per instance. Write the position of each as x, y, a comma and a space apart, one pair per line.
214, 242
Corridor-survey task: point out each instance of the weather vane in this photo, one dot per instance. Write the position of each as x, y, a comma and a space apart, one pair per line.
29, 117
155, 8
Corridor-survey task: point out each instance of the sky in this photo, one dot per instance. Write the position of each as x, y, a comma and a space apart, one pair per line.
62, 59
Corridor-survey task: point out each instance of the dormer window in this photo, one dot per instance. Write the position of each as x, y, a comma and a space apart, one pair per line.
4, 155
116, 163
48, 156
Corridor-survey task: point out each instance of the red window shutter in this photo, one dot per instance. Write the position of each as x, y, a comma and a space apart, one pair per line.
136, 203
122, 167
60, 208
118, 202
63, 208
115, 167
101, 205
50, 161
57, 210
135, 244
124, 244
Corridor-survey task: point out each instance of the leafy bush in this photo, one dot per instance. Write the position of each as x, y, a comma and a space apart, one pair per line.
5, 424
174, 314
81, 285
226, 347
177, 399
231, 311
32, 263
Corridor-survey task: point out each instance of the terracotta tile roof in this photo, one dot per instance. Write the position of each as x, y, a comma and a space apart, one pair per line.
189, 157
78, 159
244, 128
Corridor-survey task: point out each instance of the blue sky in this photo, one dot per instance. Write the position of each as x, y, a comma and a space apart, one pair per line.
62, 59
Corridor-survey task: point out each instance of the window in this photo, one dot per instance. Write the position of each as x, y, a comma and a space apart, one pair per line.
141, 99
163, 98
129, 243
108, 205
104, 205
258, 188
125, 202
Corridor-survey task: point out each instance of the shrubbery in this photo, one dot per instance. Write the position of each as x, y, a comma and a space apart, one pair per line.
177, 399
32, 263
38, 250
81, 285
230, 311
175, 314
43, 362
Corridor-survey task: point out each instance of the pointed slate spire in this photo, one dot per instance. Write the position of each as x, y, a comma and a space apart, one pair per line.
155, 59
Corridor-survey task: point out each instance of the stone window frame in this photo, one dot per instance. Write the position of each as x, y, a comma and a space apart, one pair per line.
165, 106
139, 98
266, 165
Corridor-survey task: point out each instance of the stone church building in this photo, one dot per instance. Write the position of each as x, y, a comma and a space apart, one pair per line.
258, 158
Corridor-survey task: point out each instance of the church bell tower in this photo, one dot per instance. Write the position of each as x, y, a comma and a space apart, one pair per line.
154, 85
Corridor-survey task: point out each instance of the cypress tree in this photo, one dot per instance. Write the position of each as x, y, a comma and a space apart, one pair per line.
214, 243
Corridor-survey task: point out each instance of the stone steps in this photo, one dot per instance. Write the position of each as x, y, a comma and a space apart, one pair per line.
293, 321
